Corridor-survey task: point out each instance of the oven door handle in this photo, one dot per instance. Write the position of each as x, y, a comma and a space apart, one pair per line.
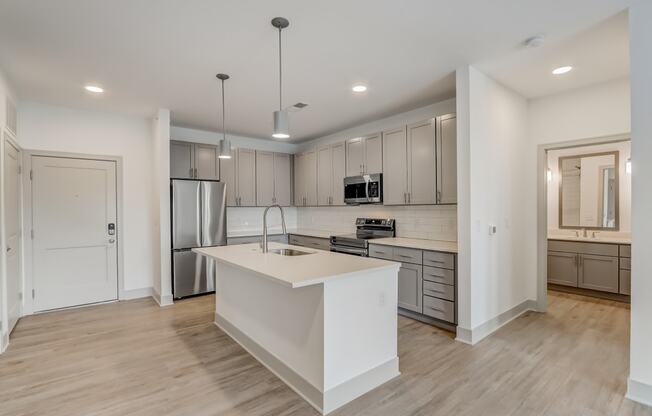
355, 251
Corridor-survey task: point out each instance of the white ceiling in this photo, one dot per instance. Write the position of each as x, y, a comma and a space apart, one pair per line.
152, 54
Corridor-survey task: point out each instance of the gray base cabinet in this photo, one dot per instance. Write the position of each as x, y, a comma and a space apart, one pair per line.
427, 284
592, 266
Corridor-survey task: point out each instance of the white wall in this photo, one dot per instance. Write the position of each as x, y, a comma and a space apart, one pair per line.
429, 222
52, 128
162, 284
625, 185
502, 266
594, 111
640, 376
397, 120
210, 137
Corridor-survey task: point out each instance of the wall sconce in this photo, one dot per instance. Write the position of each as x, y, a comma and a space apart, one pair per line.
628, 166
549, 175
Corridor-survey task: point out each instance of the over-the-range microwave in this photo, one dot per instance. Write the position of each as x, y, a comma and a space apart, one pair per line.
363, 189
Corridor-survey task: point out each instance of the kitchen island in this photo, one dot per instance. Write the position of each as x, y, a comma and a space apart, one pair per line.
323, 322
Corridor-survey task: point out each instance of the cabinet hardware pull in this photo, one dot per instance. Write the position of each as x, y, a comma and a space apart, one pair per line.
190, 172
436, 309
437, 261
409, 194
435, 275
404, 256
438, 197
435, 291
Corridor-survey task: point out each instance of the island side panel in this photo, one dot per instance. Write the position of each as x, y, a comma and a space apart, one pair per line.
287, 323
360, 333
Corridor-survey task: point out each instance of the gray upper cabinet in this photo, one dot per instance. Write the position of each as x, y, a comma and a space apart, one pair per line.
272, 178
410, 286
421, 163
305, 178
264, 178
181, 160
246, 177
330, 174
282, 179
562, 268
395, 166
207, 162
447, 159
364, 155
599, 273
194, 161
239, 174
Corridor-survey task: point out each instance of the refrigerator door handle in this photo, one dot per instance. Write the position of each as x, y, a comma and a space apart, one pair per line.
199, 216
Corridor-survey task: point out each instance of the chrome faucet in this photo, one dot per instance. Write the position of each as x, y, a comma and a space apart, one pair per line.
263, 243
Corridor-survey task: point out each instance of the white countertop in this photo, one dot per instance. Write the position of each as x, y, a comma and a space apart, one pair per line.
421, 244
296, 271
599, 239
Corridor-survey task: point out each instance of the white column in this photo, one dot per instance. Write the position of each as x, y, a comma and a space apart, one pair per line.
161, 147
640, 376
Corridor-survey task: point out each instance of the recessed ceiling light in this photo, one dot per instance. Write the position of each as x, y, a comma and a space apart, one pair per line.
359, 88
94, 88
534, 41
562, 70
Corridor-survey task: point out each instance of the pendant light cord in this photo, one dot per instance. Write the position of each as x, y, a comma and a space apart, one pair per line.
280, 72
223, 111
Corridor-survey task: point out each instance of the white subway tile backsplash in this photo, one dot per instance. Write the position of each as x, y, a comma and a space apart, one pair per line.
428, 222
249, 220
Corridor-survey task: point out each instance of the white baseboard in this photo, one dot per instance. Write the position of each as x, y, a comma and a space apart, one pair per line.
162, 301
4, 342
324, 402
143, 292
480, 332
639, 392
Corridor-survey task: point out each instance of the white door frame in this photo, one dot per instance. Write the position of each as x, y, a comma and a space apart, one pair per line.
28, 304
8, 135
542, 202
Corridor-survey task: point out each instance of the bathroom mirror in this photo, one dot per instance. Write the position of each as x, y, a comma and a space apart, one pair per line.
588, 191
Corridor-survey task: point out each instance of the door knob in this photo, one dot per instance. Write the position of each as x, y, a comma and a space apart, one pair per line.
111, 240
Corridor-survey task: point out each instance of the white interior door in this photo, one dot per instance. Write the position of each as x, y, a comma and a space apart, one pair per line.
74, 256
13, 233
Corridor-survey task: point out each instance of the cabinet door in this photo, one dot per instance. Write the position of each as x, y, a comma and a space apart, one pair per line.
395, 167
373, 154
410, 278
599, 273
282, 179
299, 179
625, 282
563, 268
354, 156
227, 175
207, 163
421, 163
310, 171
447, 159
264, 178
339, 171
324, 175
181, 160
246, 177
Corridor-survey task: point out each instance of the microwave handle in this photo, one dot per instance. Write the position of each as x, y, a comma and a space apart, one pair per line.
366, 188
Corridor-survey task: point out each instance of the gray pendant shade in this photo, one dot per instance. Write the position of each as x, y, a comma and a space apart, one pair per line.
225, 144
281, 125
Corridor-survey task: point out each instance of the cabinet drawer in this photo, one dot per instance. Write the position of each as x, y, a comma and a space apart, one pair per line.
381, 252
439, 275
437, 290
625, 282
295, 240
318, 243
437, 259
408, 255
439, 309
597, 249
626, 263
625, 251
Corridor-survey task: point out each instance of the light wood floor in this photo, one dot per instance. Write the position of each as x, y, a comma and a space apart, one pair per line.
133, 358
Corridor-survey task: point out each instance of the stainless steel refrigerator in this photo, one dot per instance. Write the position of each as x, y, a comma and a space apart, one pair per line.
198, 220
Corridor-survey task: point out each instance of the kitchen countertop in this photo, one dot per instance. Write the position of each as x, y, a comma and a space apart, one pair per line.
603, 240
421, 244
298, 271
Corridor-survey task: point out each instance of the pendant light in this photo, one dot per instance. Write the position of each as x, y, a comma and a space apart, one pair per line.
225, 144
281, 123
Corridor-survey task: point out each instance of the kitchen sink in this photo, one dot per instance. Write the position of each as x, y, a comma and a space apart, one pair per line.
289, 252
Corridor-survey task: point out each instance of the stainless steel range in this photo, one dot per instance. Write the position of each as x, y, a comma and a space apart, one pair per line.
366, 229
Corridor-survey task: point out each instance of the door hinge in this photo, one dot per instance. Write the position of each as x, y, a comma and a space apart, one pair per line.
31, 234
31, 174
33, 293
20, 296
20, 169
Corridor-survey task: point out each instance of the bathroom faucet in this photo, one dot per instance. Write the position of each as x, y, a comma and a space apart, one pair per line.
263, 243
